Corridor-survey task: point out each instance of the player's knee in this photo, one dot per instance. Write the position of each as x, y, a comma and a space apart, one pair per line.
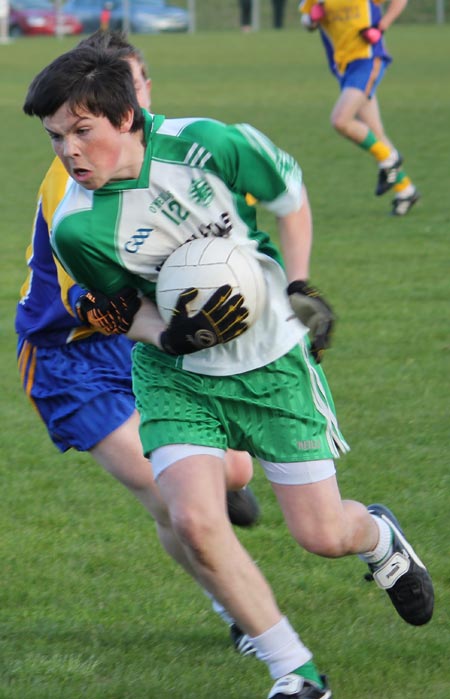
339, 123
238, 469
196, 531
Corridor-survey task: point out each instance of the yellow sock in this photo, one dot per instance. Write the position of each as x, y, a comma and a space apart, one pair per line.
403, 182
380, 151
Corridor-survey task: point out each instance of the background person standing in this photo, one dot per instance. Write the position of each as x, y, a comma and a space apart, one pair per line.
278, 8
245, 7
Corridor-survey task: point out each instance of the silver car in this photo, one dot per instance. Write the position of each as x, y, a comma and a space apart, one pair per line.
144, 16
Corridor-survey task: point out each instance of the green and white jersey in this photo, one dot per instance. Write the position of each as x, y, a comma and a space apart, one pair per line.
193, 183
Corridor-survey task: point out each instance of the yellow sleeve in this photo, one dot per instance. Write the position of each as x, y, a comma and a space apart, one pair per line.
305, 6
51, 192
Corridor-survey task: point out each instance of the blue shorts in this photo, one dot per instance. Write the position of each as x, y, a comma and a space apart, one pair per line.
81, 390
364, 74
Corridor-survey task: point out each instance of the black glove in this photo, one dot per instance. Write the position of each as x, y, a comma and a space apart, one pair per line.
111, 315
220, 320
314, 312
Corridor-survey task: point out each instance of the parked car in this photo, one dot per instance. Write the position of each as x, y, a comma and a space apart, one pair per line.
31, 17
144, 16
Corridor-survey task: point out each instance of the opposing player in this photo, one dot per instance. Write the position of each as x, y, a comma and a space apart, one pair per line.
352, 33
134, 179
79, 379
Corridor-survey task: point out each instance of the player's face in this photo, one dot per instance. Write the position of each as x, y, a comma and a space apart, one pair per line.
91, 149
142, 85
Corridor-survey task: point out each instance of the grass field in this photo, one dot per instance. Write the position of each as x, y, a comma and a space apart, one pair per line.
90, 607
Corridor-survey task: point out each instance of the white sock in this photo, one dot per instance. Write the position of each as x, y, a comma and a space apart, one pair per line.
281, 649
384, 548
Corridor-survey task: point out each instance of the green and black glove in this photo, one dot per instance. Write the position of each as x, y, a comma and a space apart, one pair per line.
220, 320
314, 312
110, 315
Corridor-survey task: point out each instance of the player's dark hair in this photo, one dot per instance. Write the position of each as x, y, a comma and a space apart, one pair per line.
88, 78
111, 40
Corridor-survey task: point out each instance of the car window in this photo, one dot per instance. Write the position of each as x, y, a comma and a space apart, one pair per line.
85, 4
32, 5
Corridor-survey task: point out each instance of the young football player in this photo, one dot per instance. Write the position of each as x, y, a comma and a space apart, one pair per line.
79, 379
260, 388
352, 34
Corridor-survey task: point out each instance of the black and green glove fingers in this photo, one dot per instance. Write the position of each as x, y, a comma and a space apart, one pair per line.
221, 319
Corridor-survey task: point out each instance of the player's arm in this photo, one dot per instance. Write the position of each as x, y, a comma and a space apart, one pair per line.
296, 233
254, 164
70, 290
312, 13
393, 11
221, 319
147, 324
373, 34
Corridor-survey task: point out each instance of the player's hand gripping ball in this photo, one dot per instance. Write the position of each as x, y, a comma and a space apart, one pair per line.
219, 320
110, 315
311, 308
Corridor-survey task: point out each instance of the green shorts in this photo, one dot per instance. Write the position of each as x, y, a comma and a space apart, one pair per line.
282, 412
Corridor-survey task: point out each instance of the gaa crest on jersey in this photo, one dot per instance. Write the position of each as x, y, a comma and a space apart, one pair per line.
201, 192
137, 239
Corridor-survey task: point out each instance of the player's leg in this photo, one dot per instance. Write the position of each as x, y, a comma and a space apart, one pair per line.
192, 483
358, 86
194, 491
406, 194
80, 408
238, 469
94, 411
243, 507
370, 114
324, 524
344, 115
135, 473
305, 485
120, 454
320, 521
225, 568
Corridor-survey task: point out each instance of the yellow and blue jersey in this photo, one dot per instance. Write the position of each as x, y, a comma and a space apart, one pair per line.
82, 390
340, 28
46, 311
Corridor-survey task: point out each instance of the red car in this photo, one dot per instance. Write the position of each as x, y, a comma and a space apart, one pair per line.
38, 17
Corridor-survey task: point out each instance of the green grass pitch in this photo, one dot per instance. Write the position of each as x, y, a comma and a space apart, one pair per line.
90, 606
